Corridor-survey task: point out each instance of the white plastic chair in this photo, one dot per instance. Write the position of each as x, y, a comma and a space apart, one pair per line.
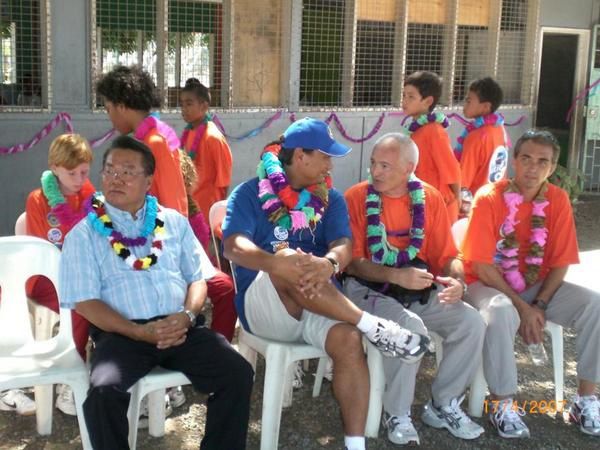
44, 319
23, 361
216, 214
153, 385
279, 358
478, 389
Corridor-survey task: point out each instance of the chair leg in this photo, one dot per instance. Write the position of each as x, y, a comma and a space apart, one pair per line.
477, 393
557, 361
43, 405
248, 353
319, 376
377, 388
156, 413
288, 385
275, 370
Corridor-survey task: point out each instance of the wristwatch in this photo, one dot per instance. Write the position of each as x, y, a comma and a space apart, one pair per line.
540, 304
192, 317
334, 263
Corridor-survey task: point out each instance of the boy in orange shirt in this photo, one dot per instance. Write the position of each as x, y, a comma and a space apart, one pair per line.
437, 164
517, 249
129, 95
205, 144
482, 148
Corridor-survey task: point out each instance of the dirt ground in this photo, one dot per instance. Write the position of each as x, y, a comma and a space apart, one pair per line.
314, 423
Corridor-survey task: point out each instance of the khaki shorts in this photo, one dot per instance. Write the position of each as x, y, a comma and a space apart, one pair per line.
268, 318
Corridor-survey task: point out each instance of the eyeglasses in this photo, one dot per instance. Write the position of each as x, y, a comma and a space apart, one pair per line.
125, 175
543, 134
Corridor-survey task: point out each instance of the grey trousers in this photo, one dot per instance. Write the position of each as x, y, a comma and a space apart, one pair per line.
571, 306
461, 328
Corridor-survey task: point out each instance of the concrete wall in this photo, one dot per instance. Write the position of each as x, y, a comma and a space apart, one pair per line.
569, 14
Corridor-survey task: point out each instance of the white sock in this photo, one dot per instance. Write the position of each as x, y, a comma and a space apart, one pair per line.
367, 322
354, 442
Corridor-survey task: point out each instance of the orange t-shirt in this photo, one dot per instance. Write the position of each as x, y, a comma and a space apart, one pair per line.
213, 163
42, 223
484, 157
437, 164
438, 245
488, 214
167, 184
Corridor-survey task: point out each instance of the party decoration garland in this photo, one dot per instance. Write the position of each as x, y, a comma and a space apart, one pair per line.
193, 150
489, 119
424, 119
382, 252
102, 223
59, 206
153, 121
282, 204
508, 247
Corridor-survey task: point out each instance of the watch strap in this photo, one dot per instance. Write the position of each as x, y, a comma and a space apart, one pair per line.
192, 317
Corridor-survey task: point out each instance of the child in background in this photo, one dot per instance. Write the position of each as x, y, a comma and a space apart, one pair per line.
437, 164
205, 144
52, 211
482, 148
129, 94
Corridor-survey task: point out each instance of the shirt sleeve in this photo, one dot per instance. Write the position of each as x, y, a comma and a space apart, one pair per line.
440, 245
479, 242
448, 166
356, 209
194, 263
470, 162
36, 215
336, 223
241, 213
561, 248
221, 161
79, 275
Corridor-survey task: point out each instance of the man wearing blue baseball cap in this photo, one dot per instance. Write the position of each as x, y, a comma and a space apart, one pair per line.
288, 233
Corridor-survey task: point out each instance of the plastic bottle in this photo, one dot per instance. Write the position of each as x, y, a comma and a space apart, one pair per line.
538, 355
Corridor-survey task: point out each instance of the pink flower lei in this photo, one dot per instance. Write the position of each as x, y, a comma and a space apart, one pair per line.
509, 246
153, 121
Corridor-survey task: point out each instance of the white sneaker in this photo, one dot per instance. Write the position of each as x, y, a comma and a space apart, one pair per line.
16, 400
507, 420
298, 375
176, 396
65, 401
585, 411
400, 429
143, 420
396, 342
453, 418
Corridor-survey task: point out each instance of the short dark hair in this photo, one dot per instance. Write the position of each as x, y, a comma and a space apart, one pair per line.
541, 137
130, 86
286, 155
125, 142
429, 84
487, 90
194, 86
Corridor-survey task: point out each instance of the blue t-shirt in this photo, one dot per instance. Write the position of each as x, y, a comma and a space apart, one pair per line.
245, 216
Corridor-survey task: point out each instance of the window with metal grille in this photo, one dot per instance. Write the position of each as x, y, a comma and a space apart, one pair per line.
23, 54
127, 33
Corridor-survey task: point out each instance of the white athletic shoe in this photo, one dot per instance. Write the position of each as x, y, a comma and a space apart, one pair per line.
400, 429
453, 418
16, 400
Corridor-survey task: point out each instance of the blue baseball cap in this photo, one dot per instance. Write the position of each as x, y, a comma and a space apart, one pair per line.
313, 134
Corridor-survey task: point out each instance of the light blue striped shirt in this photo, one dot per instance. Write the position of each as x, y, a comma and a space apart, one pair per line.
91, 270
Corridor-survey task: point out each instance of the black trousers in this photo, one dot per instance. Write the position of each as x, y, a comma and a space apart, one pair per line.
206, 358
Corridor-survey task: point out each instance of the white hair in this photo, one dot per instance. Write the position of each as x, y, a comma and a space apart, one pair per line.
408, 149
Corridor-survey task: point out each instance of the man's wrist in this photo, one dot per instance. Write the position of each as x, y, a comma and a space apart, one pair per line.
540, 304
334, 264
464, 285
191, 316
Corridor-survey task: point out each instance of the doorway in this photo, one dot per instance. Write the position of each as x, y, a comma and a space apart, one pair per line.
562, 74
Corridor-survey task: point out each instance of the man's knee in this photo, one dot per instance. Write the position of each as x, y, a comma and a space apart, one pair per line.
344, 341
473, 323
500, 312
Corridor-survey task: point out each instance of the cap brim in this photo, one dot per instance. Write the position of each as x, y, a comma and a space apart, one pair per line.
336, 150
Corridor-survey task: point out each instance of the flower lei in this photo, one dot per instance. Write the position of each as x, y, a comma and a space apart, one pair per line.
424, 119
509, 246
382, 252
282, 204
59, 206
489, 119
193, 151
154, 223
153, 121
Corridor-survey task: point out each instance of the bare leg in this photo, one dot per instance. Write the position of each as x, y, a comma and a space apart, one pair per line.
350, 376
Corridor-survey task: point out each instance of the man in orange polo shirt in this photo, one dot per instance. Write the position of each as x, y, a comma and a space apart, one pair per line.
518, 246
401, 242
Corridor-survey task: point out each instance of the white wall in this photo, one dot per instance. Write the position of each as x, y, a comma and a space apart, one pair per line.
569, 13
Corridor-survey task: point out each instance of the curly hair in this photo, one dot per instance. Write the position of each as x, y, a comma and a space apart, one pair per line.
131, 87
